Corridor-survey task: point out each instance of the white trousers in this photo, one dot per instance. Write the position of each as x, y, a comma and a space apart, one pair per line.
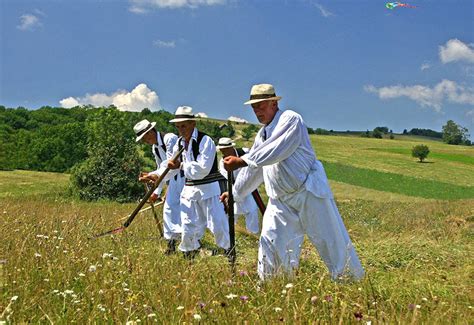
196, 215
172, 209
251, 219
286, 222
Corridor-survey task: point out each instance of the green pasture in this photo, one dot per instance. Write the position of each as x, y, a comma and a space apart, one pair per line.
414, 235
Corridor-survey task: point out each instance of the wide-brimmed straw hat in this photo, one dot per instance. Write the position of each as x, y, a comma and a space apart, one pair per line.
183, 113
142, 127
225, 143
260, 93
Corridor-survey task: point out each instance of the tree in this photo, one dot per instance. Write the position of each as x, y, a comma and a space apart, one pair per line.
113, 163
420, 151
377, 133
248, 131
454, 133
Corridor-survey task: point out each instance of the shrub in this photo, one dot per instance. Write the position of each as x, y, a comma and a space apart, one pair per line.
420, 151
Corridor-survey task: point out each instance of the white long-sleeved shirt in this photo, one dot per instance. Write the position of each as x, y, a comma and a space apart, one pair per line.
282, 158
199, 168
162, 157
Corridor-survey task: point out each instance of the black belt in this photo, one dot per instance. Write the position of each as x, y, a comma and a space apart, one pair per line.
211, 178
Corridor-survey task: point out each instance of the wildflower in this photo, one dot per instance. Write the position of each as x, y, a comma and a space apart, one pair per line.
277, 309
201, 304
14, 298
358, 315
231, 296
101, 291
197, 317
314, 299
328, 298
243, 273
180, 307
424, 299
106, 255
308, 290
92, 268
82, 274
37, 255
368, 322
68, 292
289, 285
151, 315
283, 291
413, 306
244, 298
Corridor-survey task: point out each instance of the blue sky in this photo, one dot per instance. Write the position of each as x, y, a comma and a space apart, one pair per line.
341, 64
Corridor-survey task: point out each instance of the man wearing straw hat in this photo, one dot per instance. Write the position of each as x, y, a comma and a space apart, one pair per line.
247, 207
300, 200
162, 148
200, 205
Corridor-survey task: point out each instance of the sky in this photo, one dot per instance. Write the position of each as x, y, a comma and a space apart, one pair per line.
343, 65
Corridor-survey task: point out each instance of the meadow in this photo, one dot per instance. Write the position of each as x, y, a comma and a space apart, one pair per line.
411, 223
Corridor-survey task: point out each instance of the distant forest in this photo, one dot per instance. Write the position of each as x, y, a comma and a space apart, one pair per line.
55, 139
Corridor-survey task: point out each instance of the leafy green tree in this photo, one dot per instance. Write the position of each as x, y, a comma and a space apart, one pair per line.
377, 133
249, 131
113, 163
420, 151
454, 133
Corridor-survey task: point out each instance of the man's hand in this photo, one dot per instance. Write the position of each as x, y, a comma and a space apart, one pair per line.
232, 163
225, 199
174, 164
148, 178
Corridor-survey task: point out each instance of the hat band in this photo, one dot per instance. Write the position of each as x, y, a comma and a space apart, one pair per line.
184, 116
144, 130
262, 96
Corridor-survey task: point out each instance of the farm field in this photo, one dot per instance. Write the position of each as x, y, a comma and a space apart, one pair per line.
411, 223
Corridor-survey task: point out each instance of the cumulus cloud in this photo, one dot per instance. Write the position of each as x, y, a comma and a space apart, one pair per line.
29, 22
142, 6
446, 90
237, 119
136, 100
455, 50
164, 44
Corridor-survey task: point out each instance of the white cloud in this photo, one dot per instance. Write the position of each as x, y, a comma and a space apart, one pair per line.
324, 12
164, 44
425, 66
136, 100
446, 90
29, 22
455, 50
142, 6
237, 119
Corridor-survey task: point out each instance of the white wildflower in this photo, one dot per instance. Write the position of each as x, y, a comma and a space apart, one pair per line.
82, 274
283, 291
180, 307
68, 292
231, 296
37, 255
289, 285
14, 298
197, 317
92, 268
424, 299
277, 309
151, 315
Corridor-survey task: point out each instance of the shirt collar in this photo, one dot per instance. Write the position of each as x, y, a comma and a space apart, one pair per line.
269, 128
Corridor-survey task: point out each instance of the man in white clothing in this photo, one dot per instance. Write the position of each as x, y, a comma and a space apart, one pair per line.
162, 147
200, 205
300, 200
248, 208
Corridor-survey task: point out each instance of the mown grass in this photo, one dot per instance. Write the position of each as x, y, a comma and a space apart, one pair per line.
432, 156
396, 183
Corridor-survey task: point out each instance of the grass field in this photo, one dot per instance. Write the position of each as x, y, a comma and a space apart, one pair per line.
412, 225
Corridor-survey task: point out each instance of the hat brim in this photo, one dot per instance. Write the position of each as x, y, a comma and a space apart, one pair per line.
148, 130
253, 101
176, 120
219, 147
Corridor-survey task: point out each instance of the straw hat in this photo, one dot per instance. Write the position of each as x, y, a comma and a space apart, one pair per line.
260, 93
183, 113
142, 127
225, 143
